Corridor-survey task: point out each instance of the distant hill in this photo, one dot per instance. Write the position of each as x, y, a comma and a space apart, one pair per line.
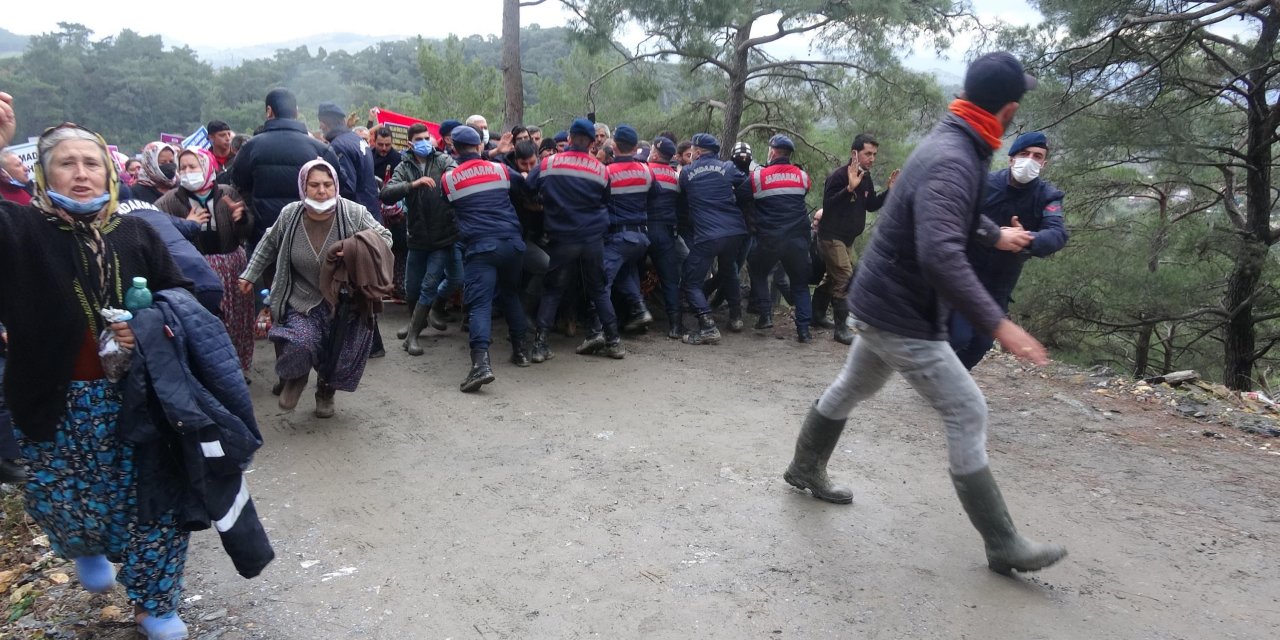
12, 43
349, 42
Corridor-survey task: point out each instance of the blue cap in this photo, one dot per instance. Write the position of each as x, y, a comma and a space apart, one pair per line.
665, 146
561, 136
626, 135
447, 127
464, 135
1032, 139
582, 127
706, 141
331, 109
782, 142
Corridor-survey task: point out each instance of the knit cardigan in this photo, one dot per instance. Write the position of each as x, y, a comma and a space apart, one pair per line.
43, 315
352, 218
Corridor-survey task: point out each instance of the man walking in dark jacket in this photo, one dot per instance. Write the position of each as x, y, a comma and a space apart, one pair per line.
1015, 197
847, 196
355, 159
434, 269
915, 269
266, 169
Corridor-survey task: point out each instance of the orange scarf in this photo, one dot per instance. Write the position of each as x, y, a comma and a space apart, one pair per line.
981, 120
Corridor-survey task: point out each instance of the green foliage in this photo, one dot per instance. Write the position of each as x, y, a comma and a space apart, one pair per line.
455, 87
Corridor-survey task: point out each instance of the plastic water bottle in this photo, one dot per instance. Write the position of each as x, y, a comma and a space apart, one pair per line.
138, 296
264, 316
266, 297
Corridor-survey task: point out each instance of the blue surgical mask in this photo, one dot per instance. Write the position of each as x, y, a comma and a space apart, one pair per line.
422, 148
77, 208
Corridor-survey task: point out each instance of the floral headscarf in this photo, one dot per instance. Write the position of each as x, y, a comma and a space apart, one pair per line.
208, 165
97, 271
151, 175
306, 169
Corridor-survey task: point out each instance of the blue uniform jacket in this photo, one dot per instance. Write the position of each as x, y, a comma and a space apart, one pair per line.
481, 192
778, 191
575, 196
631, 184
1038, 206
707, 189
355, 166
186, 408
662, 203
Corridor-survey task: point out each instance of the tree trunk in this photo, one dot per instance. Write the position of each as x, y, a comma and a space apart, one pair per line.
512, 78
1238, 341
1167, 344
735, 102
1142, 351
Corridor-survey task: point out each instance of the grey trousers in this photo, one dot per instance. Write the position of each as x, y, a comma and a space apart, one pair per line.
934, 372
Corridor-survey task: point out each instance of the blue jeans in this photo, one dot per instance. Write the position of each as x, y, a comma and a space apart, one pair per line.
623, 254
433, 273
588, 257
664, 250
933, 370
493, 271
698, 264
793, 253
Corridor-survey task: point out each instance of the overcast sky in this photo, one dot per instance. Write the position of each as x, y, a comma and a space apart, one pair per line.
235, 23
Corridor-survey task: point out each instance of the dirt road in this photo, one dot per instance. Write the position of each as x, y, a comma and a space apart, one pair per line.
643, 498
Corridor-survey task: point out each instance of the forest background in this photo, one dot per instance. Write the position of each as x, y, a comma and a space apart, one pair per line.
1162, 117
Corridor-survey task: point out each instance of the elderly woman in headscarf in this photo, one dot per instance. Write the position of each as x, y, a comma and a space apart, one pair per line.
65, 257
305, 323
225, 224
159, 172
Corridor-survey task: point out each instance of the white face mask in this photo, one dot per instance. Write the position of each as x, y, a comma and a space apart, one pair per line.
321, 206
484, 137
191, 181
1025, 169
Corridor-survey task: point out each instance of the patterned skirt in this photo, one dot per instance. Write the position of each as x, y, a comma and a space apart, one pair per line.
81, 491
302, 342
238, 313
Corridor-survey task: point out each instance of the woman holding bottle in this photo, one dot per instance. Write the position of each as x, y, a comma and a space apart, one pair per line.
81, 484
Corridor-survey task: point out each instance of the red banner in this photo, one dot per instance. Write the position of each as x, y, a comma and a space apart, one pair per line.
399, 125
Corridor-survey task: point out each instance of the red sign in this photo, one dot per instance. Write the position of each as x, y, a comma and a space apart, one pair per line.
399, 125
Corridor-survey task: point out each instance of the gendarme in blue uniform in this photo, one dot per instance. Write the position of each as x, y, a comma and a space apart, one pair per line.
493, 252
781, 223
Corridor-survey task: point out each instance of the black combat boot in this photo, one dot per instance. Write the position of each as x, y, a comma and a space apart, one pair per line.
764, 322
481, 373
706, 333
403, 332
803, 336
592, 344
613, 344
640, 319
416, 324
675, 325
840, 309
1006, 549
735, 318
821, 300
541, 350
519, 350
808, 470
